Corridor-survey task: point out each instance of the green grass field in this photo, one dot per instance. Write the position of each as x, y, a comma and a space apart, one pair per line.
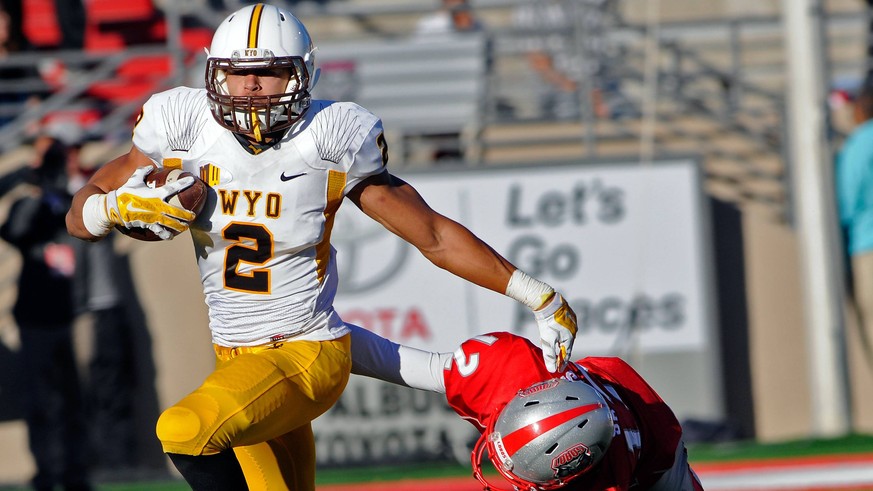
727, 452
735, 451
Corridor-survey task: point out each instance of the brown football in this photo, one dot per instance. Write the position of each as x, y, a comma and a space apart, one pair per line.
191, 198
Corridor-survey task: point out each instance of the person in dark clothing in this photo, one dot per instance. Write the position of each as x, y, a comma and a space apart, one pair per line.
44, 314
71, 22
118, 383
111, 372
13, 39
14, 98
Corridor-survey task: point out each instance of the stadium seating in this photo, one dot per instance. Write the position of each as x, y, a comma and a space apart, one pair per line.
135, 78
111, 27
115, 11
40, 23
427, 93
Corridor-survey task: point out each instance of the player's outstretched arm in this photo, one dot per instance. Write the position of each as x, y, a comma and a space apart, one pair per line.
118, 195
399, 208
449, 245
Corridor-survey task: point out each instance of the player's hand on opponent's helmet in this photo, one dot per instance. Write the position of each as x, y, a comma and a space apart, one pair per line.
136, 204
557, 324
555, 319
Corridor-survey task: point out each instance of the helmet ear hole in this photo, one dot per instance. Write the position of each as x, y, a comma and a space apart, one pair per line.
315, 78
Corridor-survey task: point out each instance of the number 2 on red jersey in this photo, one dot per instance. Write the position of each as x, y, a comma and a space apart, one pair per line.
467, 363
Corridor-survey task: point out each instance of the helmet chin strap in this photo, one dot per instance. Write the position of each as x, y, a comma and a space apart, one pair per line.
256, 126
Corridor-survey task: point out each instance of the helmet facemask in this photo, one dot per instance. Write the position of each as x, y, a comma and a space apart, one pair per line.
259, 114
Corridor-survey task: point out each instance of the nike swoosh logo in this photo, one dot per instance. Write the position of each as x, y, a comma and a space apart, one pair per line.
284, 178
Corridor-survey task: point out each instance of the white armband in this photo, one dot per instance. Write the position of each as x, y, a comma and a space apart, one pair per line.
529, 291
95, 217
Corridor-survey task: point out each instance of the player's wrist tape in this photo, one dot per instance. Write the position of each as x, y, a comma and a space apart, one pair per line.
95, 215
529, 291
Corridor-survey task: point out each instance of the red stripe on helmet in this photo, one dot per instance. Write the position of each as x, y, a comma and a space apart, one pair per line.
522, 436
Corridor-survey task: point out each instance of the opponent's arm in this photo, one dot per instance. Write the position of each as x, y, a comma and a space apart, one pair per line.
117, 195
449, 245
376, 357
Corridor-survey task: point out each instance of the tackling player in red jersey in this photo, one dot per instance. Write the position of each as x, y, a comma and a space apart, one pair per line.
596, 425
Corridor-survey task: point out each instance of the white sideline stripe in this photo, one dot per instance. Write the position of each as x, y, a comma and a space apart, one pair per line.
849, 474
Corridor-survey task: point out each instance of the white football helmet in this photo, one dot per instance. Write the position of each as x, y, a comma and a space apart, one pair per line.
547, 435
260, 36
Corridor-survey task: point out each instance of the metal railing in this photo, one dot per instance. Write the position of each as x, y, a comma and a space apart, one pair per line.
704, 74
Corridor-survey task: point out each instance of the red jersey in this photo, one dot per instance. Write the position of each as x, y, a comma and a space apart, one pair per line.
488, 370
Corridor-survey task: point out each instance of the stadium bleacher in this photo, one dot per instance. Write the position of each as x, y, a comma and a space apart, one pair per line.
125, 58
720, 82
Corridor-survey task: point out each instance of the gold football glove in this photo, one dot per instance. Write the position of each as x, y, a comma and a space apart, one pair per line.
136, 205
557, 325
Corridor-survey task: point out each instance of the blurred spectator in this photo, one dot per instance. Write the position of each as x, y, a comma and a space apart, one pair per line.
12, 98
13, 38
854, 191
868, 72
564, 42
550, 53
112, 379
71, 22
104, 290
841, 107
454, 16
70, 17
44, 314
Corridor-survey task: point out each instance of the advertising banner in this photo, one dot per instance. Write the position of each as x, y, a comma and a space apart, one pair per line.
627, 244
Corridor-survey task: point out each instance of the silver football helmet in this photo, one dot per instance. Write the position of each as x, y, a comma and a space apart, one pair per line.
547, 435
253, 37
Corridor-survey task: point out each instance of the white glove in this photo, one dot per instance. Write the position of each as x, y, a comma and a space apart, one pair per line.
136, 205
557, 324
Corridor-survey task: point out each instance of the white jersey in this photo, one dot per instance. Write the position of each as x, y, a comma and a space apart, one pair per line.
263, 238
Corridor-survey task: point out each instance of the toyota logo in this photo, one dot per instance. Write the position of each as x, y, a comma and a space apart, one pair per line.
368, 255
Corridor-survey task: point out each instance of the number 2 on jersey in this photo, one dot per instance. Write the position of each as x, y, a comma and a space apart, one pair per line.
467, 364
253, 244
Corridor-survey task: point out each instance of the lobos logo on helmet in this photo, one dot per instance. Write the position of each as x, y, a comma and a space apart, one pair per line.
534, 389
571, 461
501, 452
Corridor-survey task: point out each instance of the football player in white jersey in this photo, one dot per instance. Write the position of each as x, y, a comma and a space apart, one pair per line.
279, 164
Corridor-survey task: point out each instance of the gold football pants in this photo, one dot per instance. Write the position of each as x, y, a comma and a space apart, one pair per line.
260, 401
